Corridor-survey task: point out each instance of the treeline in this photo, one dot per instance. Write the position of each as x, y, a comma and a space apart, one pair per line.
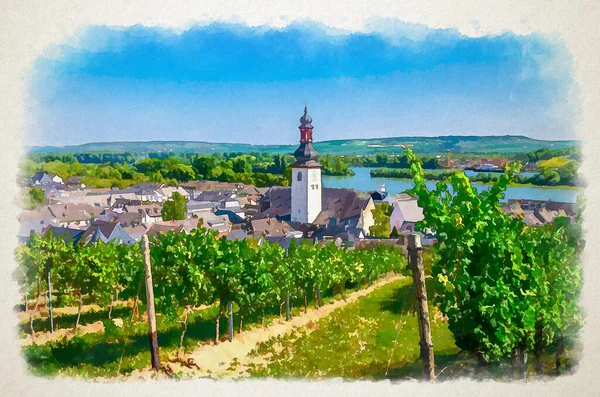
197, 269
260, 169
507, 289
560, 176
406, 174
573, 153
387, 161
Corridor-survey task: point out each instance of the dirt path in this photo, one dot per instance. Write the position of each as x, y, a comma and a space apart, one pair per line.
42, 311
214, 360
98, 326
43, 337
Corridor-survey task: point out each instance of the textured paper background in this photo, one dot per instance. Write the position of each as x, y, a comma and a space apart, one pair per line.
29, 27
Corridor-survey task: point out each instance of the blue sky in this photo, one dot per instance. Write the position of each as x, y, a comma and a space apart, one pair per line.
232, 83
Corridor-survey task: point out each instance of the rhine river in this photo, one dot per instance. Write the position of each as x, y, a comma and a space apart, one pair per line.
362, 181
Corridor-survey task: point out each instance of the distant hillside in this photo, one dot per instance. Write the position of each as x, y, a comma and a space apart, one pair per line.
424, 145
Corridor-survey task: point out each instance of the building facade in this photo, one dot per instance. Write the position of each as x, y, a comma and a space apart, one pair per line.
306, 176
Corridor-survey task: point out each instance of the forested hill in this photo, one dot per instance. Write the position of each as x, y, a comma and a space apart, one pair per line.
480, 145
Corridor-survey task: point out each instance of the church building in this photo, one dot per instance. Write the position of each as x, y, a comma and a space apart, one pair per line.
306, 176
308, 205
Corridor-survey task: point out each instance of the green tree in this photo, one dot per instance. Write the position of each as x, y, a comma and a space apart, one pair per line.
175, 208
382, 220
36, 197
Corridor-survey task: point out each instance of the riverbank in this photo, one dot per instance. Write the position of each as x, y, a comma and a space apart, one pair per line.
439, 175
363, 181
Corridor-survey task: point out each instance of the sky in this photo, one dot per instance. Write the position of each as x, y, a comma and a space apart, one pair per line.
239, 84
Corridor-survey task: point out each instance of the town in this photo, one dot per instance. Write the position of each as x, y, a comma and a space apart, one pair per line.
305, 210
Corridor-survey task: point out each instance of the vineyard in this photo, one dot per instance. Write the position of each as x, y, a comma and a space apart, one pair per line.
498, 291
197, 279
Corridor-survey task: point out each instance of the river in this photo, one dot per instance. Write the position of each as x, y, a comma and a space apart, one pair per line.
362, 181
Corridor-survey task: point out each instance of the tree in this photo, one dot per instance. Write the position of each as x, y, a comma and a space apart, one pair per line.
36, 197
382, 221
175, 208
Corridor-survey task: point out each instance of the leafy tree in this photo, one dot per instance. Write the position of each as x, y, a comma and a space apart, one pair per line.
175, 208
382, 221
36, 197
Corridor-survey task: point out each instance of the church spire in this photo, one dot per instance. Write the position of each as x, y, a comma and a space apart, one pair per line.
306, 155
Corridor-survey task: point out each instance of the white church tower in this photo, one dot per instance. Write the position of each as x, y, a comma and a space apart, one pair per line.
306, 176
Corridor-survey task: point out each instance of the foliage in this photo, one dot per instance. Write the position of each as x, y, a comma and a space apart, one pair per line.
175, 208
381, 215
492, 272
35, 197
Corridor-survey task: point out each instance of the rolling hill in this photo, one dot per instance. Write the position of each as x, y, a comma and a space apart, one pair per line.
478, 145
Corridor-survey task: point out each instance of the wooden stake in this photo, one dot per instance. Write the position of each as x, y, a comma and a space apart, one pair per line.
287, 307
150, 307
49, 269
230, 320
415, 255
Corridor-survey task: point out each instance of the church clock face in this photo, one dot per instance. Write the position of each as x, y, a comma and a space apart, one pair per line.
314, 176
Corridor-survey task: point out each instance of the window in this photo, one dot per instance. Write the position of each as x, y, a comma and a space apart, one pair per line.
299, 176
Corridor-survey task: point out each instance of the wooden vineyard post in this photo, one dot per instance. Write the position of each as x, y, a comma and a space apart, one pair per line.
49, 270
150, 307
415, 255
287, 298
230, 320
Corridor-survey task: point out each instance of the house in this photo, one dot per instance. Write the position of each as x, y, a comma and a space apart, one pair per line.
234, 218
231, 205
75, 182
406, 214
270, 227
214, 196
539, 212
129, 218
167, 192
570, 209
185, 226
83, 197
107, 232
380, 194
69, 235
73, 214
42, 178
34, 222
151, 213
136, 232
219, 223
146, 192
197, 187
195, 207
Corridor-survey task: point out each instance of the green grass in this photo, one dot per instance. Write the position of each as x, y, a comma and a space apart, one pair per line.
376, 338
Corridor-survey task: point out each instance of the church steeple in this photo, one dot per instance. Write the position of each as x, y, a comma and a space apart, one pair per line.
306, 155
306, 176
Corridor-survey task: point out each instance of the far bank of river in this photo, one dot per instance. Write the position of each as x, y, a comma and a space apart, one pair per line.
362, 181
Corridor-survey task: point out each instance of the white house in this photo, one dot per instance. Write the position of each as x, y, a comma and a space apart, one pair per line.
405, 214
42, 178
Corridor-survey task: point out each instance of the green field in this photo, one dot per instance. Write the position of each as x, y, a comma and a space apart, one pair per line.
376, 338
